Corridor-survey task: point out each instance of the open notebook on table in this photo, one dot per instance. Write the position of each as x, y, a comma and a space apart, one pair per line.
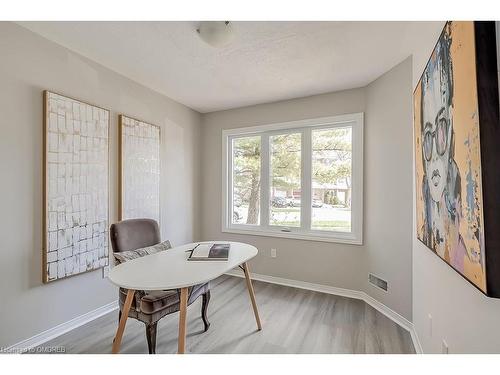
210, 251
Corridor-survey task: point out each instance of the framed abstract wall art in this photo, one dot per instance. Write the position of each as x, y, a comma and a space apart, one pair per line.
457, 153
139, 150
75, 187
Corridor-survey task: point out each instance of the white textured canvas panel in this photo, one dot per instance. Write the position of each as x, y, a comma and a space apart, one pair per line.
140, 163
76, 186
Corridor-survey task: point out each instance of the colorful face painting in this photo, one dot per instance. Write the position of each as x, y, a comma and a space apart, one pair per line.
448, 155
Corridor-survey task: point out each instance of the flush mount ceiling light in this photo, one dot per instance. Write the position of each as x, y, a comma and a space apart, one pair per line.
216, 33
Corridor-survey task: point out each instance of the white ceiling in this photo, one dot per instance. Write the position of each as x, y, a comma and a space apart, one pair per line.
266, 62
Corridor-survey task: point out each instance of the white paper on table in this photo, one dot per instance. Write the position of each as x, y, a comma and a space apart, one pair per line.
201, 251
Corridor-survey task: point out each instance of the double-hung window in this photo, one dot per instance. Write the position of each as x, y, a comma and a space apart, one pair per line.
300, 179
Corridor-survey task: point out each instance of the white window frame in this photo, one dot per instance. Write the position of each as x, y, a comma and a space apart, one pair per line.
305, 127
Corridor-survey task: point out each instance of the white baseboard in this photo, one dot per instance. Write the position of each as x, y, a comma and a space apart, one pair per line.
388, 312
391, 314
416, 341
61, 329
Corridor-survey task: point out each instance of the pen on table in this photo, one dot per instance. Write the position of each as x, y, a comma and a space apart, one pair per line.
192, 248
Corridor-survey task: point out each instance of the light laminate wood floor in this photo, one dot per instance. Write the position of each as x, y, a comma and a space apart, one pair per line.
294, 321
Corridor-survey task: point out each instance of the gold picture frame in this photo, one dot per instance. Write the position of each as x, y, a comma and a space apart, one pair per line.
139, 148
75, 213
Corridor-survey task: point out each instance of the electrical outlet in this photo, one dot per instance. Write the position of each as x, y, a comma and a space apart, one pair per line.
273, 253
105, 272
444, 347
430, 325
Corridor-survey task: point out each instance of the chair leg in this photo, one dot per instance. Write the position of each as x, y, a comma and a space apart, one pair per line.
204, 308
151, 337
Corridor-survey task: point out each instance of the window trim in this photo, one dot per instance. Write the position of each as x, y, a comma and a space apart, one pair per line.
355, 237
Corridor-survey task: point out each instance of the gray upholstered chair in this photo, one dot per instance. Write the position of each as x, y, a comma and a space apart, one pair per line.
150, 306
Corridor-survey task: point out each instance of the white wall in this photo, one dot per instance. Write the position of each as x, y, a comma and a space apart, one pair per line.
461, 315
29, 65
386, 251
388, 186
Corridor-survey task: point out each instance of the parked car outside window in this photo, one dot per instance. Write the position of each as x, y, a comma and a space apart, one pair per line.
279, 202
317, 203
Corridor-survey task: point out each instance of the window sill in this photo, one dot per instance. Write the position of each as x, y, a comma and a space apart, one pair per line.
347, 239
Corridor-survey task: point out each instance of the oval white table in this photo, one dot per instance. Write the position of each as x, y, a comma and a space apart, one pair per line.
170, 269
